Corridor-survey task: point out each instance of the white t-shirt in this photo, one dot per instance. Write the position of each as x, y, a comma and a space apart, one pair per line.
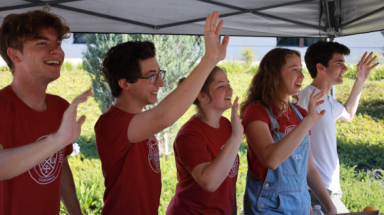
323, 137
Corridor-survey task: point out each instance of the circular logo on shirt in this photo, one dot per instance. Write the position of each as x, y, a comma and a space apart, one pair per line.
289, 128
153, 154
235, 167
47, 171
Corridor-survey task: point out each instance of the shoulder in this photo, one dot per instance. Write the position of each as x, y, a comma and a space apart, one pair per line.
114, 117
57, 100
301, 110
253, 108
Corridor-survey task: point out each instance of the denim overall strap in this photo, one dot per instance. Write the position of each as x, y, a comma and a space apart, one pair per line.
275, 125
284, 190
297, 112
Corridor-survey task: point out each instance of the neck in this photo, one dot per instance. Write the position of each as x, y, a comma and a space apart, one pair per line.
32, 94
128, 104
322, 85
210, 117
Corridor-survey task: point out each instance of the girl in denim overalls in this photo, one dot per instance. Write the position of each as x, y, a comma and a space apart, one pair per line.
279, 154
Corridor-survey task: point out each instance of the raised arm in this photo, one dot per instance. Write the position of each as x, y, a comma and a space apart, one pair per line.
271, 153
15, 161
210, 175
363, 69
148, 123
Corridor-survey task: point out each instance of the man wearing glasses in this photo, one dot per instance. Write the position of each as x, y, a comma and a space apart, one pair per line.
125, 139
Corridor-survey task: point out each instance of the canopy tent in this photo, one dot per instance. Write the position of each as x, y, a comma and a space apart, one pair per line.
274, 18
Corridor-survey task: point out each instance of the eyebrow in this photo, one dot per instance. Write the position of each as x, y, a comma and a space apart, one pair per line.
44, 38
151, 71
294, 66
340, 61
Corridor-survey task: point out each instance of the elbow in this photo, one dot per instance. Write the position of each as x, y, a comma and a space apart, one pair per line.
210, 187
165, 120
270, 163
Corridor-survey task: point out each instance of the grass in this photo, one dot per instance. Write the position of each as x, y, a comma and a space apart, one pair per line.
360, 142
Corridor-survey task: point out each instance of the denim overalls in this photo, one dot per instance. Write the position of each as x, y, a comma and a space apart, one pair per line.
284, 190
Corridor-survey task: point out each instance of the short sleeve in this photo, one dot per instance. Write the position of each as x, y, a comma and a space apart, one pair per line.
338, 109
191, 149
112, 129
68, 150
255, 112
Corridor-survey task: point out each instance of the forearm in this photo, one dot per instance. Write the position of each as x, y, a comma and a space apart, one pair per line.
15, 161
276, 153
68, 190
317, 186
215, 172
185, 94
353, 100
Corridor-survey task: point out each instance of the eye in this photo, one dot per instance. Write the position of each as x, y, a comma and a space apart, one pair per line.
43, 43
58, 44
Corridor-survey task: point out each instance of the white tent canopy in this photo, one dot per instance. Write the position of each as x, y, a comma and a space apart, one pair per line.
274, 18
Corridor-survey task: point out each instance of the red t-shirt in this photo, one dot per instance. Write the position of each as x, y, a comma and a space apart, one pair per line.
198, 143
37, 191
131, 171
256, 111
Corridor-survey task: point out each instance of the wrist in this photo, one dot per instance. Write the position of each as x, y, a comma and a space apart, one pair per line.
209, 60
236, 137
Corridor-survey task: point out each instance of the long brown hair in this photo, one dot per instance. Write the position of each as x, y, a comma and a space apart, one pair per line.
267, 86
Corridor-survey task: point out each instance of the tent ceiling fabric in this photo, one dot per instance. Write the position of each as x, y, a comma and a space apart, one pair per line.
273, 18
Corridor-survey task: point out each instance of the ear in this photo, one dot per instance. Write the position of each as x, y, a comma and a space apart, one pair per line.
123, 84
203, 98
320, 68
14, 54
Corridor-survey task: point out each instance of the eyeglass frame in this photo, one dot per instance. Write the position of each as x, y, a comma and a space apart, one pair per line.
161, 74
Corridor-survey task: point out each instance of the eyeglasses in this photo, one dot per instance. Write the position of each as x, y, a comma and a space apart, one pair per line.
153, 78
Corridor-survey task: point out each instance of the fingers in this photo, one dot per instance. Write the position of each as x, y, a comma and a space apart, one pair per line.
207, 26
225, 41
235, 104
215, 17
219, 26
319, 103
363, 57
322, 114
82, 97
372, 67
371, 61
81, 120
318, 96
367, 58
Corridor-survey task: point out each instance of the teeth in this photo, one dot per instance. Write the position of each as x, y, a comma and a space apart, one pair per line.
228, 98
298, 84
53, 62
154, 93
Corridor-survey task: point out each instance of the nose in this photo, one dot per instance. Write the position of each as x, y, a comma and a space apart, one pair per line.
159, 82
56, 49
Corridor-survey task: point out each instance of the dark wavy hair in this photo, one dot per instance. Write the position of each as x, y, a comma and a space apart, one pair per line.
123, 61
267, 86
19, 28
322, 52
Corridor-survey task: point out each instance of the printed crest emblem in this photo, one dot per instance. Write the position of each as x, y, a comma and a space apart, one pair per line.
235, 167
153, 154
47, 171
289, 128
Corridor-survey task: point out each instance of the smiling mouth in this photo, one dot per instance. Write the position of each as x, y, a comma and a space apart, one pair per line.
51, 62
154, 93
228, 98
298, 84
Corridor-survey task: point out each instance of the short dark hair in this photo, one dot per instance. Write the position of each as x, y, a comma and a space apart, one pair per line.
123, 61
322, 52
19, 28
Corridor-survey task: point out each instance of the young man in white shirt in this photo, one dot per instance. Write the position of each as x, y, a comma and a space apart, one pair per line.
325, 62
